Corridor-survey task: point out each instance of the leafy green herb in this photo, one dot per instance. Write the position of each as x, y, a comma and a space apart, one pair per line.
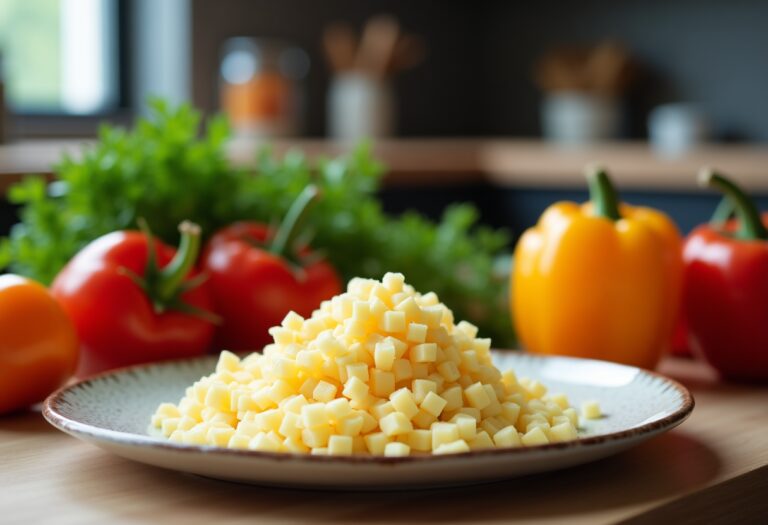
163, 172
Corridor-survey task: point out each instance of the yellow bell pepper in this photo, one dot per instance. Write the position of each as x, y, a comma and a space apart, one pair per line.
599, 280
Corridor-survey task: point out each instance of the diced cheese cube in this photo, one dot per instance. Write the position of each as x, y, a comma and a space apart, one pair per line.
402, 370
382, 383
453, 398
314, 415
169, 425
293, 403
324, 392
443, 433
393, 281
420, 370
467, 426
507, 437
240, 441
417, 333
421, 387
510, 411
338, 409
591, 410
265, 443
571, 414
433, 404
563, 432
220, 436
293, 321
420, 439
381, 409
217, 397
358, 370
473, 412
355, 389
376, 443
384, 355
351, 425
482, 440
395, 424
535, 436
402, 401
292, 444
316, 437
369, 422
455, 447
393, 322
340, 445
290, 425
423, 419
477, 396
396, 449
432, 315
449, 370
424, 353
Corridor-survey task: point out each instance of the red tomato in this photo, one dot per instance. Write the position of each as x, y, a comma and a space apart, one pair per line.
253, 289
127, 310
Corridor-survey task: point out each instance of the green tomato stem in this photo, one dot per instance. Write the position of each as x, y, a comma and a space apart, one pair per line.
602, 193
172, 276
290, 227
751, 226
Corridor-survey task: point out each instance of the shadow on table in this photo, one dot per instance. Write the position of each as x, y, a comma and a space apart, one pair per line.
25, 421
667, 466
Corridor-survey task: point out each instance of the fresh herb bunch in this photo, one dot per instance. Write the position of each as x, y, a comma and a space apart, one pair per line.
163, 172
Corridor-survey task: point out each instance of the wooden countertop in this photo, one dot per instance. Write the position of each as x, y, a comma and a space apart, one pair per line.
711, 469
504, 162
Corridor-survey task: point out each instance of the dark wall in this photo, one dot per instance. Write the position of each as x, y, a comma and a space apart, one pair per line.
477, 79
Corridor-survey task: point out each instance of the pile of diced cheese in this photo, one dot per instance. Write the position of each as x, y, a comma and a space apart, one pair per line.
381, 370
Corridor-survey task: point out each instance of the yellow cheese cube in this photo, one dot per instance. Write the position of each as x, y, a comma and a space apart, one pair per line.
351, 425
376, 443
338, 409
310, 360
563, 432
292, 444
314, 415
535, 436
420, 439
469, 361
477, 396
358, 370
571, 414
510, 411
316, 437
453, 398
402, 401
169, 425
217, 397
443, 433
432, 315
370, 423
240, 441
290, 426
228, 362
265, 443
402, 370
410, 309
220, 436
282, 336
324, 392
186, 423
433, 404
395, 424
473, 412
482, 440
293, 321
393, 322
467, 426
455, 447
420, 370
355, 389
381, 409
591, 410
384, 355
449, 370
491, 425
421, 387
319, 451
279, 390
424, 353
396, 449
340, 445
423, 419
382, 383
417, 333
507, 437
293, 403
269, 419
393, 281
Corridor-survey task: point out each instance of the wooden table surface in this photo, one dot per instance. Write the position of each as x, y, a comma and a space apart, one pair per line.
711, 469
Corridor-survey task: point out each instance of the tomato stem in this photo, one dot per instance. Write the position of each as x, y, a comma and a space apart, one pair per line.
602, 193
172, 276
289, 228
751, 226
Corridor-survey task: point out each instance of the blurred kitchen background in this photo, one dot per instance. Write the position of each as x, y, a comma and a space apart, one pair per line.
497, 102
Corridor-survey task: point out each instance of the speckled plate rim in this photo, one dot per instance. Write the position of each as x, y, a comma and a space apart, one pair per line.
54, 416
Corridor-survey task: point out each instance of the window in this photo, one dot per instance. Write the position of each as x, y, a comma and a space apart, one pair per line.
60, 56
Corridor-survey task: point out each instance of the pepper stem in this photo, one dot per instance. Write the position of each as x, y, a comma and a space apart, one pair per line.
723, 213
750, 224
289, 229
602, 193
173, 274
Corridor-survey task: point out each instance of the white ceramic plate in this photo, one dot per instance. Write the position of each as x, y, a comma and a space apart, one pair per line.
112, 411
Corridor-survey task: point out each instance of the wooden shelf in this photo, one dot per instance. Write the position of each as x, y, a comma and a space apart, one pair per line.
507, 163
711, 469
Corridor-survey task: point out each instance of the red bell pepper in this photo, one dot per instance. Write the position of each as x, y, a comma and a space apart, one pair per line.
258, 275
131, 304
726, 288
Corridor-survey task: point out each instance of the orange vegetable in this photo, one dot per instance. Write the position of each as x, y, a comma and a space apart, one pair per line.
598, 280
38, 346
